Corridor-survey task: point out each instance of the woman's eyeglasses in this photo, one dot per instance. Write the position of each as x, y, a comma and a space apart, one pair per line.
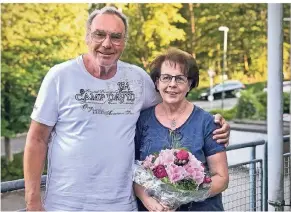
179, 79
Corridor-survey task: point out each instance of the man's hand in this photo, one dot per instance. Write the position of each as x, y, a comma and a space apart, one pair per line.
37, 206
221, 134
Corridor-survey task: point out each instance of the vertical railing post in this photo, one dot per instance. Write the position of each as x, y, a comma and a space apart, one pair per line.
265, 178
252, 173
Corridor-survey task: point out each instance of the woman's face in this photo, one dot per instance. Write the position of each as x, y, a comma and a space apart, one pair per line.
172, 89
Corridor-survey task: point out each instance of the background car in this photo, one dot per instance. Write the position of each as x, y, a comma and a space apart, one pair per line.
286, 87
231, 88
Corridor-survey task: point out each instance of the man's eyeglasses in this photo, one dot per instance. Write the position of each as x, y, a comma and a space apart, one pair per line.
115, 37
179, 79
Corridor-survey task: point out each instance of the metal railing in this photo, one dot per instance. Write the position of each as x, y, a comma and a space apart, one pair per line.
245, 191
248, 186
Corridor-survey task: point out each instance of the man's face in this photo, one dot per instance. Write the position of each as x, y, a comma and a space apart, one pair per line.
106, 39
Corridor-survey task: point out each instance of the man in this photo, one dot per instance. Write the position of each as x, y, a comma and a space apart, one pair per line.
84, 119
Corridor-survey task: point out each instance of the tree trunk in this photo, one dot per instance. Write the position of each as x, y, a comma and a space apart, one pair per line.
7, 114
192, 35
8, 150
246, 63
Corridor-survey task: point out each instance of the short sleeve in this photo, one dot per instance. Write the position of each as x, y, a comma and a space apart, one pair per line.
151, 97
211, 147
45, 109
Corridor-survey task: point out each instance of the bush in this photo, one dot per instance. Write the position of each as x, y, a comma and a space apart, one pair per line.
227, 114
256, 87
249, 106
193, 95
253, 105
13, 170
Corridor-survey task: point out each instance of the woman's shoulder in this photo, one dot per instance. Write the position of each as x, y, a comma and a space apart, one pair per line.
146, 114
204, 115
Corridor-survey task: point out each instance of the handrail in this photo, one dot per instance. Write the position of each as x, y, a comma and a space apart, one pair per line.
244, 145
14, 185
253, 143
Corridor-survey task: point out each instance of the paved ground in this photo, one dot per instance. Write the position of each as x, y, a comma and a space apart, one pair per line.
16, 143
217, 104
13, 201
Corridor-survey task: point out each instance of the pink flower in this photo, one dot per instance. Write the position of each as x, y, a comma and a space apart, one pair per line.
166, 157
182, 155
195, 163
160, 171
195, 172
198, 176
148, 162
175, 173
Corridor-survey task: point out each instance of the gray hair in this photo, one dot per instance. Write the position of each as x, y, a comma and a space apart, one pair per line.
107, 10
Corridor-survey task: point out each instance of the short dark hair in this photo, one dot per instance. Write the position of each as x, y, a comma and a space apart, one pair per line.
176, 56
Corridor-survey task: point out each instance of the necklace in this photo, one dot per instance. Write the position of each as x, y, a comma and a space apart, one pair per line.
173, 121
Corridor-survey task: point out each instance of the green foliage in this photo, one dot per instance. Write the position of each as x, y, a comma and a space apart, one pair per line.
152, 29
227, 114
13, 170
254, 105
187, 185
34, 38
257, 86
249, 106
194, 94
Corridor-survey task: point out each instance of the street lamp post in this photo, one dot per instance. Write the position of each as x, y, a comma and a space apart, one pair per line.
225, 30
211, 74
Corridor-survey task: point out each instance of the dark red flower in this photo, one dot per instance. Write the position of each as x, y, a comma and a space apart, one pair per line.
160, 171
182, 155
207, 179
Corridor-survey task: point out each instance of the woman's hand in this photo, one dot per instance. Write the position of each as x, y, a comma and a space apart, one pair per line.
151, 204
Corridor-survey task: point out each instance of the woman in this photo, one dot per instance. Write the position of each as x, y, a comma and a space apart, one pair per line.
176, 120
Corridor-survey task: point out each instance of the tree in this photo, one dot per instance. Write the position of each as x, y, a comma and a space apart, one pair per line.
34, 38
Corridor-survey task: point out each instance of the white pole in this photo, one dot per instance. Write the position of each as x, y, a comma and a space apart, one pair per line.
275, 109
289, 19
225, 30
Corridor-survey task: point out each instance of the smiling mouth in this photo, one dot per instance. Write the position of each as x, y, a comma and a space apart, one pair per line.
171, 93
104, 53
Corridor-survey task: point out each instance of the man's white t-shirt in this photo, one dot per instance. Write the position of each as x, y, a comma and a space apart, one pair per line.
91, 150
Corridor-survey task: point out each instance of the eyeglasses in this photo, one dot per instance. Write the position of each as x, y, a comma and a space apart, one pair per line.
179, 79
115, 37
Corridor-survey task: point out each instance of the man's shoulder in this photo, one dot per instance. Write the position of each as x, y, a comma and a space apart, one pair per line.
63, 67
131, 67
66, 64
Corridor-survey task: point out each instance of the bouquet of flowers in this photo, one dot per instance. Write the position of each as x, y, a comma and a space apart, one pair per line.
173, 177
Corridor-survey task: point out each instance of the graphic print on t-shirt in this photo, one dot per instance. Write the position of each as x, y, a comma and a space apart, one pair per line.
117, 99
